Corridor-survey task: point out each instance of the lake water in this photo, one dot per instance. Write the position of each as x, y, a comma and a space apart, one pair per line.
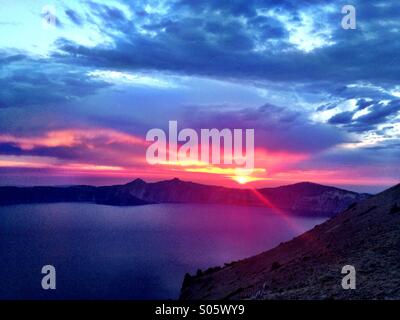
104, 252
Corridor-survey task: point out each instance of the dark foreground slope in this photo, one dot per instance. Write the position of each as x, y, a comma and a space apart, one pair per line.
302, 198
367, 236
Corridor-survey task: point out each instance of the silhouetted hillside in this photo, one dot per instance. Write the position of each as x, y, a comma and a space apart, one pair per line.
366, 235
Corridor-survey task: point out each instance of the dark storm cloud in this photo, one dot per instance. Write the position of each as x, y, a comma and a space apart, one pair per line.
276, 128
245, 8
370, 157
378, 113
25, 82
270, 29
107, 12
193, 39
367, 90
341, 118
232, 41
74, 17
362, 104
10, 149
87, 151
223, 39
9, 58
112, 18
58, 152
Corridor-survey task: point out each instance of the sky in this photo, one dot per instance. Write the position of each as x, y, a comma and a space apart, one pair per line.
83, 82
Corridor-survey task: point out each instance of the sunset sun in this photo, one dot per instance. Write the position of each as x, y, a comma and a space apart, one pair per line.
241, 179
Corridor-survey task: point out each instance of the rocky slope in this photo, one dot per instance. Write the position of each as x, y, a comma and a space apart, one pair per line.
302, 198
366, 235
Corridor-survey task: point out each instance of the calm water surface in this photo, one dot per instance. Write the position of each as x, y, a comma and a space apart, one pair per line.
104, 252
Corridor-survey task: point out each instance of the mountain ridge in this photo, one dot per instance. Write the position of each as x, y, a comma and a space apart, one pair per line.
303, 198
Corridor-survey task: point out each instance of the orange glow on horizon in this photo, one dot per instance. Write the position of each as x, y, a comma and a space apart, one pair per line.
195, 172
110, 153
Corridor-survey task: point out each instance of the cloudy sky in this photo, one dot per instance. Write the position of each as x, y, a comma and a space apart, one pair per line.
80, 90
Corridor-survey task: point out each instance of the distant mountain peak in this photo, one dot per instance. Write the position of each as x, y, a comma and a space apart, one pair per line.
313, 187
136, 181
307, 183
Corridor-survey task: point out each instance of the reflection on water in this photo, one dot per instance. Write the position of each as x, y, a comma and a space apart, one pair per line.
104, 252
